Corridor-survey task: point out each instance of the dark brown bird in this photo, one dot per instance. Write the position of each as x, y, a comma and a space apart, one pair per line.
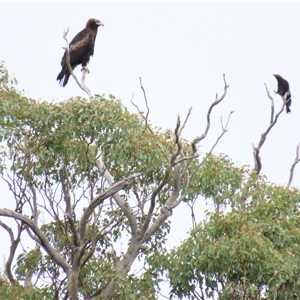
283, 90
81, 49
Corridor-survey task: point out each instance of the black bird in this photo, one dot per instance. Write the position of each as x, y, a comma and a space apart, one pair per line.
81, 49
283, 90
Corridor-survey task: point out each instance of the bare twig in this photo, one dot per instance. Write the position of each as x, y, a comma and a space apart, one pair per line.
216, 102
190, 178
81, 84
146, 101
191, 205
185, 121
256, 150
145, 118
297, 159
272, 104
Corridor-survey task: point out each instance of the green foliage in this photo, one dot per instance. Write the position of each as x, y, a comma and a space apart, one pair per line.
45, 136
18, 292
27, 263
250, 252
218, 179
6, 82
40, 139
247, 249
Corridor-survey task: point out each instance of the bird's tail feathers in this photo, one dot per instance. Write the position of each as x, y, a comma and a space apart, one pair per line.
63, 76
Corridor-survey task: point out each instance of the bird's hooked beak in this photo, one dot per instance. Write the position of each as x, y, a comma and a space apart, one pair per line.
99, 23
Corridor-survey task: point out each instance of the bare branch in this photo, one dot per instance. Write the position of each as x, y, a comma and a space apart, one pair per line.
5, 212
191, 205
272, 104
146, 101
297, 159
185, 121
256, 150
216, 102
158, 189
81, 84
190, 179
145, 118
167, 207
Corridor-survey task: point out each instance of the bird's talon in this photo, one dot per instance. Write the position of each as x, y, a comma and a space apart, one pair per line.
86, 69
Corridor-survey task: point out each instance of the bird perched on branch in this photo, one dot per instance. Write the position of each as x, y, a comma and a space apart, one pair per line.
283, 90
81, 49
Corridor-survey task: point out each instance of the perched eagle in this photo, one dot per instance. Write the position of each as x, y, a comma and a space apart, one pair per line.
283, 90
81, 49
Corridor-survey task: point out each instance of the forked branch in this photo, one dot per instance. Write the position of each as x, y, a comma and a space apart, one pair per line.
216, 102
273, 120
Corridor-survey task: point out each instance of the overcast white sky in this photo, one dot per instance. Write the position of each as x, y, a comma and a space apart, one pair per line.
181, 51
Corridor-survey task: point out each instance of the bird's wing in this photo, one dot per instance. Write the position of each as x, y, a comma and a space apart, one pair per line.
80, 45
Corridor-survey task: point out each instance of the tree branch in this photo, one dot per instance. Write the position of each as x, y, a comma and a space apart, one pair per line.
158, 189
13, 248
5, 212
216, 102
167, 207
297, 159
146, 101
256, 150
81, 84
190, 178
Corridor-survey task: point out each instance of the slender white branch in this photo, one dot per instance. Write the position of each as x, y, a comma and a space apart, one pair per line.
297, 159
81, 84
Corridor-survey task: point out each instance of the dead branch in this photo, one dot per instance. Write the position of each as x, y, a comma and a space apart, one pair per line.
145, 118
190, 178
272, 104
185, 121
297, 159
216, 102
81, 84
273, 120
146, 101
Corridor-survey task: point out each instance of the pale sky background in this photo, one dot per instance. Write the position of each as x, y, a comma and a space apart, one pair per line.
181, 51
